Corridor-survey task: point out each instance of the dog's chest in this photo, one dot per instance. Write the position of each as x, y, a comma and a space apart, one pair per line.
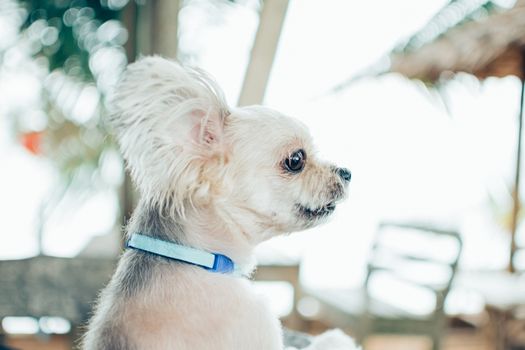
200, 310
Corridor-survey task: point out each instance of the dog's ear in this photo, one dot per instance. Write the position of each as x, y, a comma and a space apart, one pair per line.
207, 131
169, 121
183, 104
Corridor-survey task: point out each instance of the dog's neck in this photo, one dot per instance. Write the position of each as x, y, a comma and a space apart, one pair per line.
202, 230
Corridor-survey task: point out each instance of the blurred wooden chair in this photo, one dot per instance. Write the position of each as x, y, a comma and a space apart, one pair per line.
44, 286
504, 295
409, 274
279, 266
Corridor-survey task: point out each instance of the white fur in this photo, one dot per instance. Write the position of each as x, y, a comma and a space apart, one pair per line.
216, 175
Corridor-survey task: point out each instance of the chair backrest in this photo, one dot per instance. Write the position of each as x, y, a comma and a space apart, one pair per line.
412, 266
518, 261
52, 286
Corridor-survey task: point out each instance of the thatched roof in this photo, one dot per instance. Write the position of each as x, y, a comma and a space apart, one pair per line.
492, 46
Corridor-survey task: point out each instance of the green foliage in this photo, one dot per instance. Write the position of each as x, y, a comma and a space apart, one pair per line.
74, 50
456, 13
74, 21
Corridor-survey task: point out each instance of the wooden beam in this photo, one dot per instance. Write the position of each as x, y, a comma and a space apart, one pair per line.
263, 52
165, 27
157, 28
516, 192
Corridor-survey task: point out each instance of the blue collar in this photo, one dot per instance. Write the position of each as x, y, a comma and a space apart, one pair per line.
212, 262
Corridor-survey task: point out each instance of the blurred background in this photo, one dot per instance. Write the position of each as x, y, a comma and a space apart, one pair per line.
422, 100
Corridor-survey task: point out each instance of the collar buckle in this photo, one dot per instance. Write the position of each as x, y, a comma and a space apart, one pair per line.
222, 264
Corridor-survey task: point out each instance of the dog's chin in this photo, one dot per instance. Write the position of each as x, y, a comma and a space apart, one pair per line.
312, 216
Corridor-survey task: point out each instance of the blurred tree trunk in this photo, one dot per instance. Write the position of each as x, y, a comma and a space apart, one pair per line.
164, 26
263, 52
158, 28
152, 29
516, 192
128, 194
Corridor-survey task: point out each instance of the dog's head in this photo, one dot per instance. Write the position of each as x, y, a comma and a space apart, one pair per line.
251, 168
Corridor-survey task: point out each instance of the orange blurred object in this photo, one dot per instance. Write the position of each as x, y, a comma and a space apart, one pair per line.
32, 141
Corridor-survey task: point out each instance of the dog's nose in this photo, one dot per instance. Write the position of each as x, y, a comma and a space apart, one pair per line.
344, 174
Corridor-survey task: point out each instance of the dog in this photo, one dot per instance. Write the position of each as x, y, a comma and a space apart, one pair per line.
214, 182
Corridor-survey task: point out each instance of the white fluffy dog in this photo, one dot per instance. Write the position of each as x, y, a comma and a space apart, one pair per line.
214, 182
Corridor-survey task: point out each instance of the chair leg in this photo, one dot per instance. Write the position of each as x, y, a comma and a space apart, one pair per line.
2, 334
360, 339
363, 329
436, 342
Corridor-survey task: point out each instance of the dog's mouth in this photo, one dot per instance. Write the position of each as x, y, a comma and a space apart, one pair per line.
316, 213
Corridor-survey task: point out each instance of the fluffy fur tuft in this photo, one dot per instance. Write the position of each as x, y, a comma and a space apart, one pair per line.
169, 122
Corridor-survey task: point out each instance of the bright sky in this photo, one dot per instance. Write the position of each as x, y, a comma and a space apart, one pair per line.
408, 156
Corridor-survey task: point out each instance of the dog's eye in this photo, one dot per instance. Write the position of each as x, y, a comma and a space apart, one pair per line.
295, 162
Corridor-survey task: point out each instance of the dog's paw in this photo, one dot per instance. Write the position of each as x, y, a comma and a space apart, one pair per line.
334, 339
